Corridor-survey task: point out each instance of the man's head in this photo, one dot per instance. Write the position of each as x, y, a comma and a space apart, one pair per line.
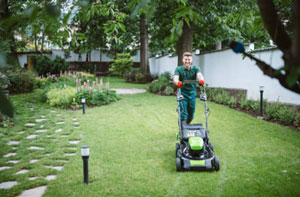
187, 59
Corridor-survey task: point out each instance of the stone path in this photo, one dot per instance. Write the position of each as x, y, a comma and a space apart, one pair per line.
129, 90
36, 126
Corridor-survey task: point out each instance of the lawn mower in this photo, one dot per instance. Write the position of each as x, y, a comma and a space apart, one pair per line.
194, 151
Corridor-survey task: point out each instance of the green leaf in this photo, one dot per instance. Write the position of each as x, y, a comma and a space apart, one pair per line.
6, 107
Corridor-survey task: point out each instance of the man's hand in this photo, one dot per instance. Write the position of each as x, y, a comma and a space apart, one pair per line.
201, 82
179, 84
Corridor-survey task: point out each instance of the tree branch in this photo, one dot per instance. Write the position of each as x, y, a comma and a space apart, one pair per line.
274, 26
273, 73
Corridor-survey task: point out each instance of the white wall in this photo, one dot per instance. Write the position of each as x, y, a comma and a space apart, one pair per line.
229, 70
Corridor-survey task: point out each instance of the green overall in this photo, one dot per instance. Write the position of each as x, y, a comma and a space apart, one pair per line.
189, 91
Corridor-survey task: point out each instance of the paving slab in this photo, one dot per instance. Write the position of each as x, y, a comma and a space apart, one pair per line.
41, 131
59, 123
13, 161
33, 178
4, 167
13, 142
40, 120
58, 130
9, 154
22, 171
33, 160
35, 148
35, 192
74, 142
8, 184
31, 136
30, 124
69, 154
50, 177
59, 168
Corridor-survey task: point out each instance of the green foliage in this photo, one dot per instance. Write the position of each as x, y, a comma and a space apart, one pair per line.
140, 78
96, 97
232, 102
4, 82
41, 82
286, 114
61, 97
44, 65
21, 81
272, 110
130, 75
121, 64
164, 81
169, 91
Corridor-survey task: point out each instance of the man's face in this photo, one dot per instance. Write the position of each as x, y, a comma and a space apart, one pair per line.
187, 60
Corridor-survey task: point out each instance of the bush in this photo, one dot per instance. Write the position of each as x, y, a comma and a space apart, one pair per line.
140, 78
222, 96
169, 91
61, 97
4, 82
96, 97
297, 119
121, 64
272, 110
161, 84
286, 114
58, 64
232, 102
21, 81
44, 65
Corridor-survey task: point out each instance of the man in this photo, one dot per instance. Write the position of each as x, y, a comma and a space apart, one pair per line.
189, 91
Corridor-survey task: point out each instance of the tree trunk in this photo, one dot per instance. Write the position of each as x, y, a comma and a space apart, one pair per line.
185, 42
35, 43
42, 45
144, 57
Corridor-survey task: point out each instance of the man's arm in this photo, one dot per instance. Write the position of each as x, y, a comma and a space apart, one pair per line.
175, 79
200, 76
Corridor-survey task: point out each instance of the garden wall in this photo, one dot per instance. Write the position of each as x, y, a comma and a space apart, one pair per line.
225, 69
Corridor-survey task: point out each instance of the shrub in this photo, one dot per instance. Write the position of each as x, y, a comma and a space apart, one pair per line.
297, 119
131, 73
286, 114
21, 81
4, 82
222, 96
168, 91
96, 97
61, 97
272, 110
121, 64
232, 102
43, 64
161, 83
58, 64
140, 78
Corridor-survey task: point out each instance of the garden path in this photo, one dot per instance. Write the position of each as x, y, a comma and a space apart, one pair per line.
129, 90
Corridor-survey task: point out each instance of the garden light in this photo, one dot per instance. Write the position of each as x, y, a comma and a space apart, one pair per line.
261, 89
83, 105
85, 153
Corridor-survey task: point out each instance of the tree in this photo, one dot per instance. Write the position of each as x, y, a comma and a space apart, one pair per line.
289, 74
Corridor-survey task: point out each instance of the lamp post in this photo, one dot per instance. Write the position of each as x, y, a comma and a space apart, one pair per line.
83, 105
85, 153
261, 89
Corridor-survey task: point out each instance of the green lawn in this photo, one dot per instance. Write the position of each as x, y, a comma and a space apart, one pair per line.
132, 152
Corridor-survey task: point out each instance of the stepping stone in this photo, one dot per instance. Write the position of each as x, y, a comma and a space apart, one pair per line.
42, 126
30, 124
76, 123
40, 120
31, 136
20, 132
70, 154
9, 154
50, 177
74, 119
76, 127
14, 148
33, 178
52, 111
71, 148
65, 135
33, 160
74, 142
58, 115
41, 131
8, 185
22, 171
58, 130
59, 168
60, 123
35, 192
4, 168
13, 142
13, 161
36, 148
43, 116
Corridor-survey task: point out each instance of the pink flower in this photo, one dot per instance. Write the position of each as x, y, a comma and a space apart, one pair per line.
88, 82
84, 85
101, 83
65, 86
107, 85
90, 90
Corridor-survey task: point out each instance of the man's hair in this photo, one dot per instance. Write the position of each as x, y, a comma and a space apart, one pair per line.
187, 54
